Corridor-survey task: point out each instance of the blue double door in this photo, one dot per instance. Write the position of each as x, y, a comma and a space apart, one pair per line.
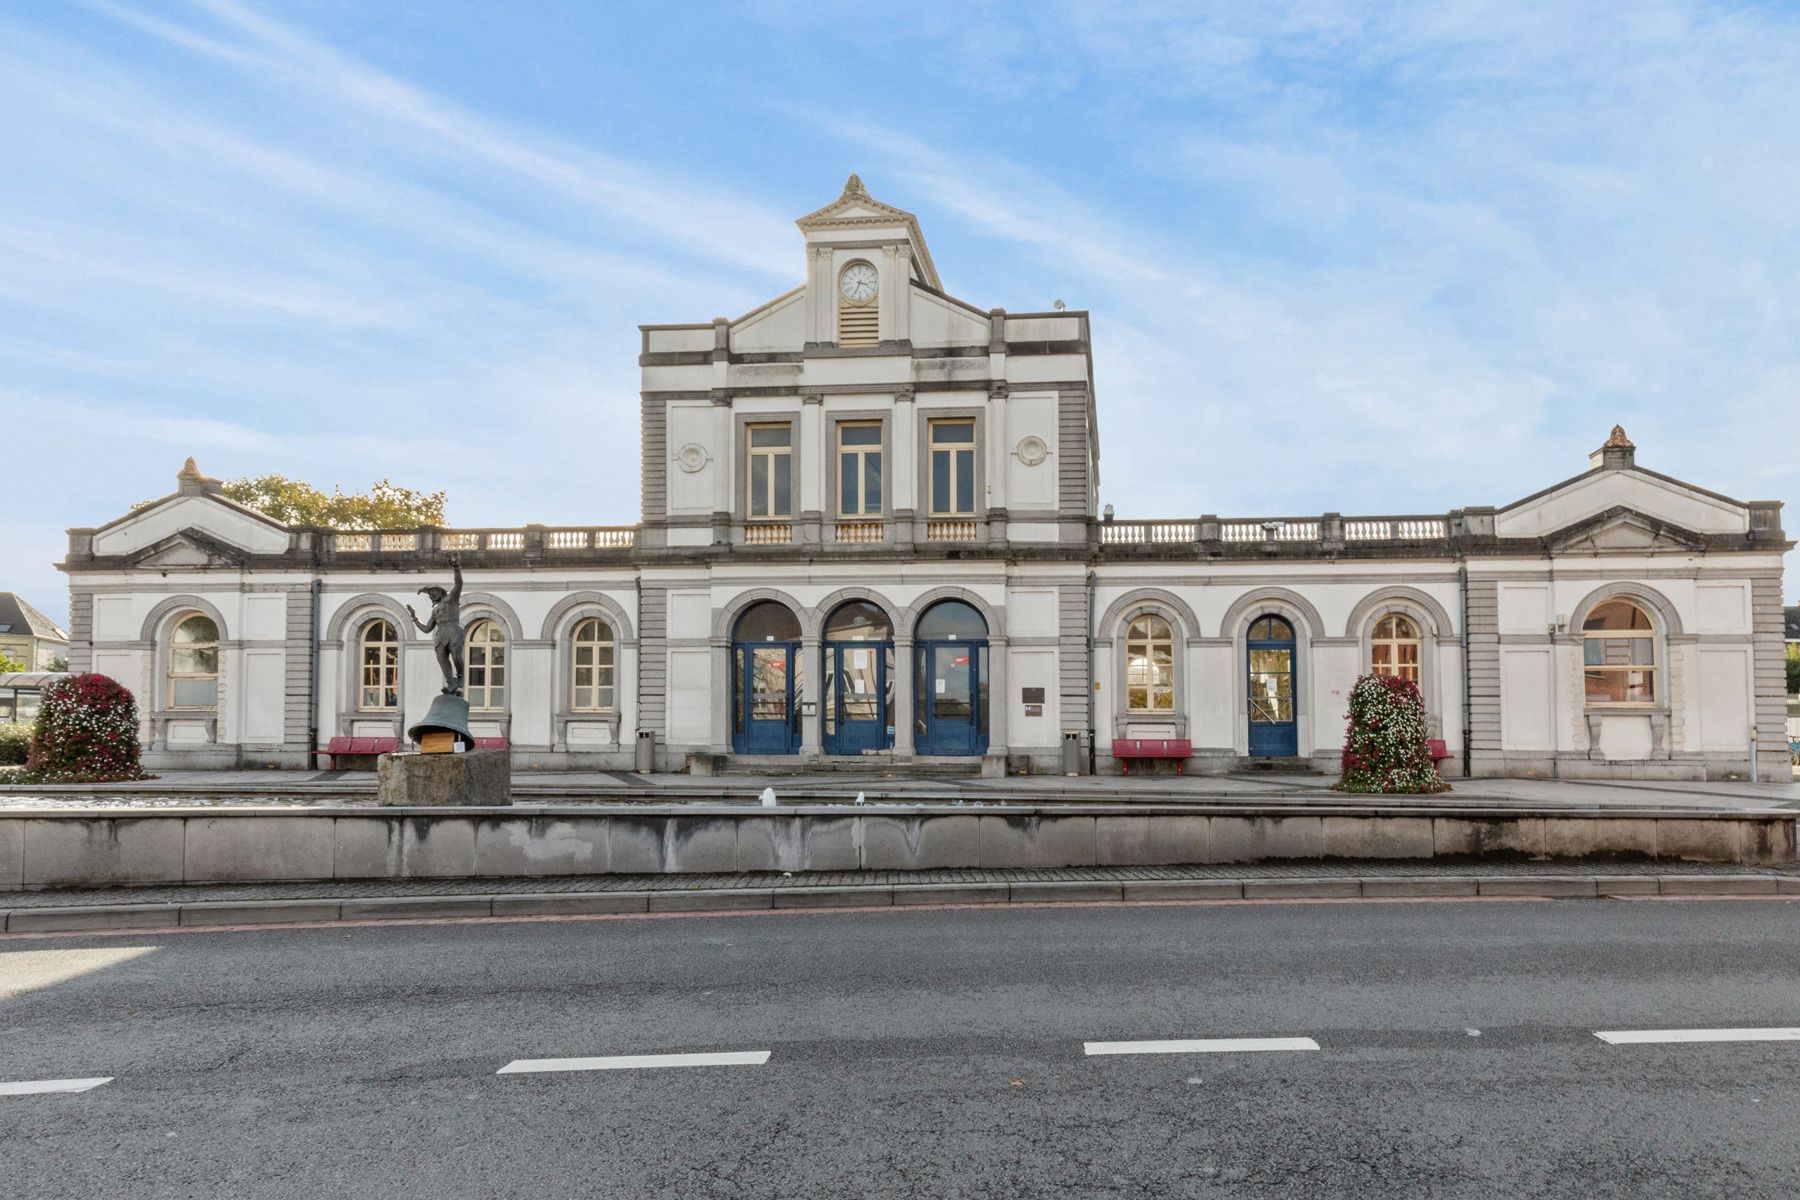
1274, 732
951, 697
858, 697
765, 717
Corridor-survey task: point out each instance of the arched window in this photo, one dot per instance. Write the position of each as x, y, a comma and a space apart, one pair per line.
591, 667
767, 621
1394, 650
1619, 654
380, 677
857, 621
194, 663
1149, 665
950, 620
486, 648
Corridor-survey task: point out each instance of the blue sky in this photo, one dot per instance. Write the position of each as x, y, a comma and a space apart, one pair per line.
1362, 258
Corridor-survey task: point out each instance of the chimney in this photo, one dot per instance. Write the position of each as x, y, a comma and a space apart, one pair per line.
1618, 452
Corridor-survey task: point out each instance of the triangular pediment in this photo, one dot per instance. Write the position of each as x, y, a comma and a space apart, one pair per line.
857, 211
1601, 493
1625, 531
188, 550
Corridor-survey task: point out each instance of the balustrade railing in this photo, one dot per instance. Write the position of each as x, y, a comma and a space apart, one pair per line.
1146, 533
859, 532
496, 541
950, 531
768, 533
1395, 529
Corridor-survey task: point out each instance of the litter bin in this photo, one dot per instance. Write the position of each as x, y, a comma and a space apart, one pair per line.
646, 752
1071, 754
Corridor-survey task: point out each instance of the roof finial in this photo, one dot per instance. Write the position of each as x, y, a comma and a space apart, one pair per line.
853, 186
190, 482
1618, 440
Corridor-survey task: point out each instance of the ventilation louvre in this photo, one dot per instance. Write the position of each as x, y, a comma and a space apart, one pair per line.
858, 325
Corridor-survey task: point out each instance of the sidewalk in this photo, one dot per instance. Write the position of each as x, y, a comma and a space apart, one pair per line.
172, 788
194, 905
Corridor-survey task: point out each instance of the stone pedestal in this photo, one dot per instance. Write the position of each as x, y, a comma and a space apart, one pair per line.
478, 777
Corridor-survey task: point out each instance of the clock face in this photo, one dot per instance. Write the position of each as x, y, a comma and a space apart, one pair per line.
858, 283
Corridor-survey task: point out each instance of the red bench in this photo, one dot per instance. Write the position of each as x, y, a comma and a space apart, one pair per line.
359, 747
493, 743
1127, 749
1440, 750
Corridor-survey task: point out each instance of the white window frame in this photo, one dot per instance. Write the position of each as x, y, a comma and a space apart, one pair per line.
1394, 666
768, 455
490, 670
595, 634
853, 461
954, 450
1651, 670
384, 672
176, 647
1148, 641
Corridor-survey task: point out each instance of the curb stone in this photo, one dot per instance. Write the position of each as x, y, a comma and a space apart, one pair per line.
101, 917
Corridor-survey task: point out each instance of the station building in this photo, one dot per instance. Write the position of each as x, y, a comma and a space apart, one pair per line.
871, 534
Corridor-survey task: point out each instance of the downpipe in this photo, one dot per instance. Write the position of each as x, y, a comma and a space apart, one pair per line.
312, 683
1462, 590
1093, 760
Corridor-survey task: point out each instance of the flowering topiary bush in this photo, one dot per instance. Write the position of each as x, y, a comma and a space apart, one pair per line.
15, 743
1386, 746
86, 732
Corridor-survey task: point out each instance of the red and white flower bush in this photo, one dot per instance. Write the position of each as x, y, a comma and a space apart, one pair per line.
86, 732
1387, 743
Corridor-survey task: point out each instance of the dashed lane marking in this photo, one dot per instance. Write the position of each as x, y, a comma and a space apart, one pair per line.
624, 1062
1638, 1037
34, 1087
1201, 1046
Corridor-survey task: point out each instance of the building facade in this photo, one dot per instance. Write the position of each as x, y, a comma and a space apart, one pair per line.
871, 533
29, 638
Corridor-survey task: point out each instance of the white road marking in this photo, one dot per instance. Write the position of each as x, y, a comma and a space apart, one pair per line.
734, 1058
1634, 1037
33, 1087
1203, 1046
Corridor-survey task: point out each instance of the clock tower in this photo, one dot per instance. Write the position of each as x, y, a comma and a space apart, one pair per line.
863, 256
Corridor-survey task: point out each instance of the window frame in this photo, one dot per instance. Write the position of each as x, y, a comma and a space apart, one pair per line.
971, 447
171, 675
606, 695
1150, 641
1394, 667
861, 454
1652, 670
390, 668
770, 454
488, 686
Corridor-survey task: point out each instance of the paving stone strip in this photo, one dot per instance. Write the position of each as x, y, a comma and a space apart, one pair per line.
1435, 869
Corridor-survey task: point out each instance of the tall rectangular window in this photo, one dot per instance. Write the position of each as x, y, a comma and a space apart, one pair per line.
771, 472
952, 468
859, 469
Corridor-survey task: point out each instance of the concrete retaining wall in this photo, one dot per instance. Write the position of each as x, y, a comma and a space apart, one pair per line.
72, 848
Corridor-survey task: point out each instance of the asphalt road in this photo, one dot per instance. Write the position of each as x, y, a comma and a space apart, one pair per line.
919, 1053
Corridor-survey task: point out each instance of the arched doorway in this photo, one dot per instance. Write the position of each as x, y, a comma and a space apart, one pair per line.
765, 678
1273, 730
950, 659
859, 683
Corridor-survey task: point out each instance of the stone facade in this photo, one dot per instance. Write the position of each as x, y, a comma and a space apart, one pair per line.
867, 440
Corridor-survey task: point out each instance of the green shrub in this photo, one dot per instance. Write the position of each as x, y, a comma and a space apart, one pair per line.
86, 732
1387, 745
15, 743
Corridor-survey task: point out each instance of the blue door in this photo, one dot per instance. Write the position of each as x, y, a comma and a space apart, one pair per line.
765, 720
857, 710
1273, 732
952, 697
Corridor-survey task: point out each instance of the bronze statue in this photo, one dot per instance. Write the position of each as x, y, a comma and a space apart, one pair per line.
446, 628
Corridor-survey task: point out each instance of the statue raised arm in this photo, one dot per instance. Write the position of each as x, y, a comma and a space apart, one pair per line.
445, 626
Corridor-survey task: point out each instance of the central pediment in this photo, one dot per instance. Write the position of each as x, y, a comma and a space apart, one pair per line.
1626, 531
190, 549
